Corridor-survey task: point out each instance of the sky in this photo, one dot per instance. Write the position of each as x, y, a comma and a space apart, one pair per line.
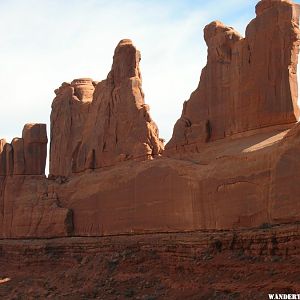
46, 42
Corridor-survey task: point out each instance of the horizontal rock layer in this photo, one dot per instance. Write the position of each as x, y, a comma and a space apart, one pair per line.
30, 208
246, 264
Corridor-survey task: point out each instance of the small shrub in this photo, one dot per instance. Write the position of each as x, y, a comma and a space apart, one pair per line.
265, 226
218, 245
129, 293
112, 264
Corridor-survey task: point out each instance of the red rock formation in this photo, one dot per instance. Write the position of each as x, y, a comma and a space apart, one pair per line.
225, 186
248, 83
31, 208
69, 112
19, 159
118, 126
246, 176
246, 264
28, 204
4, 158
35, 148
240, 180
284, 192
2, 188
26, 155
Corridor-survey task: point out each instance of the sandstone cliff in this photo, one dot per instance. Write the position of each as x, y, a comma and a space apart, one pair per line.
223, 265
248, 83
28, 204
69, 113
119, 126
247, 88
26, 155
224, 196
239, 167
112, 124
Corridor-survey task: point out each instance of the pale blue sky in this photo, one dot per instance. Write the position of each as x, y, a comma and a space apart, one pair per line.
46, 42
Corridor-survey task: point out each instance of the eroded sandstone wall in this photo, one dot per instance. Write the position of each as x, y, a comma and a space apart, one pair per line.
225, 186
110, 124
248, 83
119, 126
246, 176
240, 264
29, 207
68, 116
26, 155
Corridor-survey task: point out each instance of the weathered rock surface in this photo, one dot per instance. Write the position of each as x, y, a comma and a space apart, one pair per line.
5, 158
233, 186
26, 155
119, 126
227, 185
244, 177
247, 264
248, 83
284, 192
69, 113
30, 208
109, 125
28, 204
35, 148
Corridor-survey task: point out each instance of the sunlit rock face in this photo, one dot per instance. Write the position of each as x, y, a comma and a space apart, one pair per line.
29, 207
26, 155
69, 113
248, 83
298, 76
100, 124
119, 126
232, 161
